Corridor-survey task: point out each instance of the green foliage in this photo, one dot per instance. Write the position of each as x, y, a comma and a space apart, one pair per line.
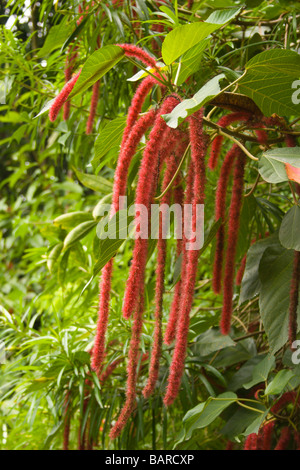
56, 182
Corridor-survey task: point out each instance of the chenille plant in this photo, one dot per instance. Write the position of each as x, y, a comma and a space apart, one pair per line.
171, 103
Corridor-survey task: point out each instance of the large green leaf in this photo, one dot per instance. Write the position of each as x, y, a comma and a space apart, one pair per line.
211, 341
115, 229
110, 137
269, 81
78, 233
190, 62
223, 16
201, 416
275, 271
289, 232
255, 426
96, 183
54, 255
183, 38
279, 382
251, 282
55, 38
285, 155
261, 371
272, 170
241, 420
190, 106
70, 220
97, 65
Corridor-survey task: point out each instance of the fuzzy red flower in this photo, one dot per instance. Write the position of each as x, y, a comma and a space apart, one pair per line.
144, 192
133, 358
93, 108
220, 212
62, 97
233, 229
198, 151
284, 439
216, 145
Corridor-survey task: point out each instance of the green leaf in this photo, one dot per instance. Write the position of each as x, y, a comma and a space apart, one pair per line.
251, 285
96, 183
101, 205
55, 38
54, 255
205, 413
45, 108
190, 106
241, 420
78, 233
117, 229
190, 62
271, 170
97, 65
211, 341
244, 374
242, 351
223, 16
269, 81
275, 271
261, 371
254, 427
183, 38
72, 219
279, 382
285, 155
290, 229
75, 34
110, 137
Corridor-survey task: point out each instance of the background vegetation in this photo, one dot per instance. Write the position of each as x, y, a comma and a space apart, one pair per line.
49, 288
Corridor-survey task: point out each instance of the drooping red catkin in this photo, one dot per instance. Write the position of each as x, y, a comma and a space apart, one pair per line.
297, 439
198, 151
267, 432
216, 145
119, 189
170, 332
103, 311
134, 51
62, 97
126, 154
133, 359
93, 108
144, 192
109, 370
233, 229
294, 299
71, 58
220, 212
288, 397
136, 105
229, 445
251, 442
290, 140
190, 4
160, 274
284, 439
